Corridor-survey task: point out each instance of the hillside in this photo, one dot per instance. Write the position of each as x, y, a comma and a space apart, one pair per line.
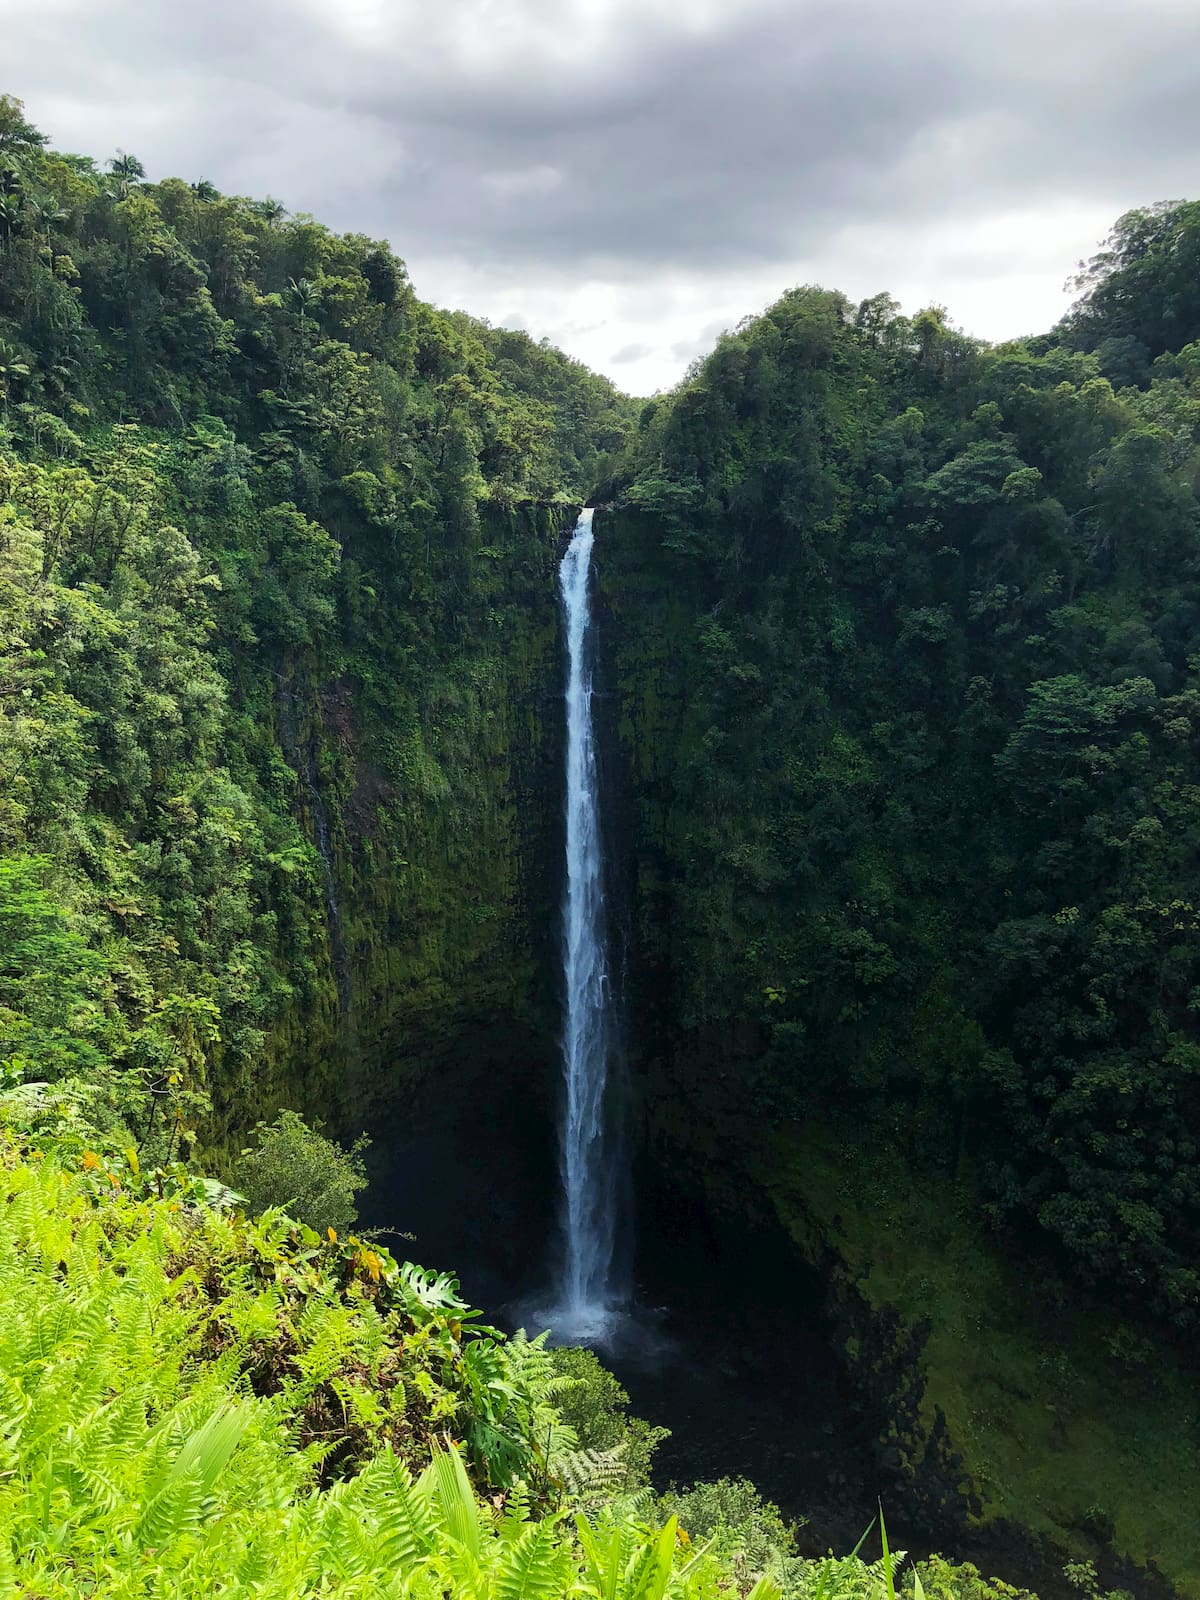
278, 540
900, 739
902, 636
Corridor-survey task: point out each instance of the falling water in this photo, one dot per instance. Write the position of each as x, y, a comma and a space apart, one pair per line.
304, 761
587, 1294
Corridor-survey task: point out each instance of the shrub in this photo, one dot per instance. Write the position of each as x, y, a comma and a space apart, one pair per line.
594, 1403
748, 1531
300, 1171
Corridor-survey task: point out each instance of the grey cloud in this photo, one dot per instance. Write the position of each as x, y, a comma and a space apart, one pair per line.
750, 141
630, 352
685, 350
553, 139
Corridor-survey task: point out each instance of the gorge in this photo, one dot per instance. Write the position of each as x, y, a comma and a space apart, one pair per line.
884, 658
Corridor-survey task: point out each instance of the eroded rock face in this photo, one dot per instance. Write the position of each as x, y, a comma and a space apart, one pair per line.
436, 812
718, 1085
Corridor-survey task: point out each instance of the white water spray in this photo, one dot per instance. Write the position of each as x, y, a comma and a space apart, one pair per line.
587, 1295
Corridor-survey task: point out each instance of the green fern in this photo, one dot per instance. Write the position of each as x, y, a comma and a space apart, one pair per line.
173, 1508
135, 1459
593, 1476
536, 1566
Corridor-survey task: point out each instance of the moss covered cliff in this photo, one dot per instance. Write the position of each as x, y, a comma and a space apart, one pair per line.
432, 793
279, 641
905, 751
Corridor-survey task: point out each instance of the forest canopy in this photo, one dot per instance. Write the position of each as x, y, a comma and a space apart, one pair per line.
930, 796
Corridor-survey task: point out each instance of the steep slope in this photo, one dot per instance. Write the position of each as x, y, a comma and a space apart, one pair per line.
277, 551
902, 634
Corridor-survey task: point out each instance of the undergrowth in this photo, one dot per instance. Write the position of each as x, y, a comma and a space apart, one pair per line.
196, 1402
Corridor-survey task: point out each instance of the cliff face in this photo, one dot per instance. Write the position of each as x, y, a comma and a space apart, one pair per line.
278, 638
690, 1028
436, 815
869, 855
1021, 1426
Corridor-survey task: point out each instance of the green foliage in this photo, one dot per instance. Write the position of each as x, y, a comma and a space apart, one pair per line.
269, 528
745, 1529
51, 982
903, 636
595, 1406
357, 1349
941, 1581
193, 1402
1140, 292
294, 1168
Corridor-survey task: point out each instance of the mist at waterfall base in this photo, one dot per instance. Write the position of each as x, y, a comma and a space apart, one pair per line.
728, 1344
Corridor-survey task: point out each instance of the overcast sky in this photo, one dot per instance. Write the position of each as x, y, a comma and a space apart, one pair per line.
629, 177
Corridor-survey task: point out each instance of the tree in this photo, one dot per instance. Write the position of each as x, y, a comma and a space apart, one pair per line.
295, 1168
18, 136
127, 172
1142, 286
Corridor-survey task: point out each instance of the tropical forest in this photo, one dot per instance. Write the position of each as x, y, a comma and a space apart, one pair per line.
709, 880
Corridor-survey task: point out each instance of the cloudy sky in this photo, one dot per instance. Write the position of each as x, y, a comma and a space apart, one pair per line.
629, 177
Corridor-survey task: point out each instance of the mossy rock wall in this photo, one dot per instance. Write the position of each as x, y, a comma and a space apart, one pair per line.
1028, 1424
432, 800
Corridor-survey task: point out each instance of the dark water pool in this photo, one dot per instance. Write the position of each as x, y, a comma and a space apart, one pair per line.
727, 1349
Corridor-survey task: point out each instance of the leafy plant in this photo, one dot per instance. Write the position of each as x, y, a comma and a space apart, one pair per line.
296, 1169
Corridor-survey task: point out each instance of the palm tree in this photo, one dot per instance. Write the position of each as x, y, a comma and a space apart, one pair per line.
127, 172
271, 211
304, 294
45, 211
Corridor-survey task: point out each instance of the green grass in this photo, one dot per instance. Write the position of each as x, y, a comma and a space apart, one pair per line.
1065, 1419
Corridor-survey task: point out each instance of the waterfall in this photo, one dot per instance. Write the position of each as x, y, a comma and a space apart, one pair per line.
587, 1293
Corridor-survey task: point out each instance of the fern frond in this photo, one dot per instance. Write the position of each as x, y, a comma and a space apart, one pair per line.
593, 1474
535, 1566
174, 1509
517, 1503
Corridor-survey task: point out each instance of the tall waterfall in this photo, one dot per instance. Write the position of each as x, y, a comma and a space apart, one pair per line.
587, 1294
